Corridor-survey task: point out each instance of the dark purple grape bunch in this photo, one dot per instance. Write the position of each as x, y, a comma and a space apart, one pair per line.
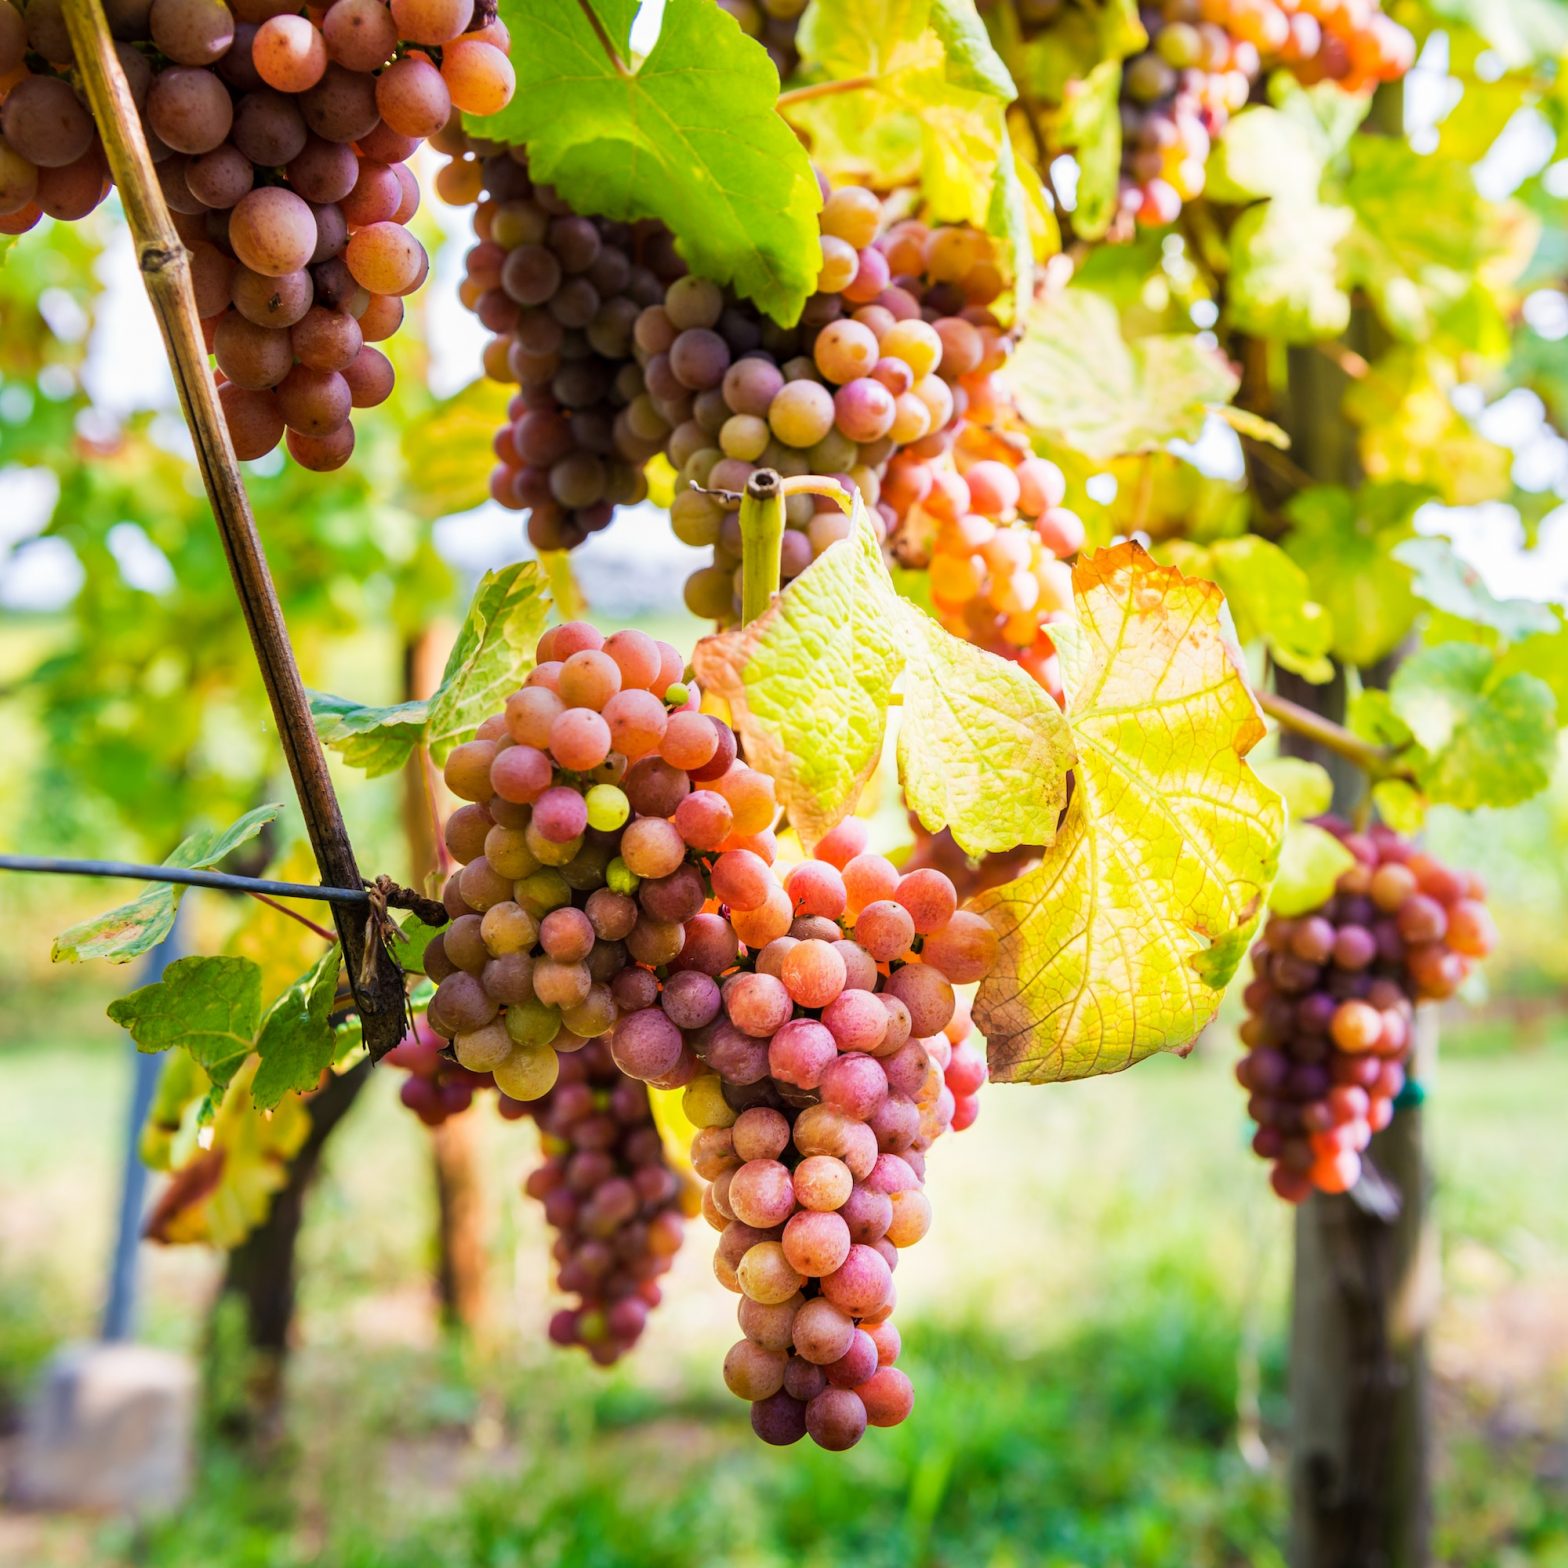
1331, 1007
561, 292
616, 1204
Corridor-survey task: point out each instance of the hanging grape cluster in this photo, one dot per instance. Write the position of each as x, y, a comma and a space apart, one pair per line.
1331, 1007
562, 293
591, 801
1205, 59
280, 140
814, 1018
617, 1207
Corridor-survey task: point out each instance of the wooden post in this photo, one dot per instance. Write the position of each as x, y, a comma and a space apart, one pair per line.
1364, 1286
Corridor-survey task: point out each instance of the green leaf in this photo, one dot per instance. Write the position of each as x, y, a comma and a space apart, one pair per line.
409, 943
808, 682
1416, 244
1329, 115
296, 1043
492, 655
982, 748
1446, 583
1544, 656
1284, 266
1343, 543
1121, 941
1264, 152
1080, 382
1305, 787
1370, 714
1310, 862
688, 136
447, 456
1521, 31
1090, 125
1272, 603
1412, 432
131, 929
1483, 741
972, 60
1402, 806
377, 739
929, 104
207, 1006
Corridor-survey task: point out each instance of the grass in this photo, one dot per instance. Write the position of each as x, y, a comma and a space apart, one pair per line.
1105, 1273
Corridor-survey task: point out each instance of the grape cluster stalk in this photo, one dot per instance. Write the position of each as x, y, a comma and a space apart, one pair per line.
616, 1204
815, 1019
280, 137
561, 293
1331, 1007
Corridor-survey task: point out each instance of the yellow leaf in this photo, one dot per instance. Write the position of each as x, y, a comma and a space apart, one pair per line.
1122, 940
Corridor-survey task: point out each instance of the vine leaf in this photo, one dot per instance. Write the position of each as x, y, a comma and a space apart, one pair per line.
447, 455
219, 1193
1343, 542
982, 748
296, 1043
929, 106
1284, 258
1480, 739
808, 683
492, 655
1269, 598
135, 928
1446, 583
687, 135
1080, 382
1122, 940
984, 751
209, 1007
1311, 858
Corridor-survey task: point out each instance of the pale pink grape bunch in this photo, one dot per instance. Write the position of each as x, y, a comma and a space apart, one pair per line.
594, 805
1331, 1007
281, 136
815, 1019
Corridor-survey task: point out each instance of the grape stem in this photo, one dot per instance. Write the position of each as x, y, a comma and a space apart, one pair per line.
761, 537
165, 267
1377, 762
397, 897
849, 84
611, 52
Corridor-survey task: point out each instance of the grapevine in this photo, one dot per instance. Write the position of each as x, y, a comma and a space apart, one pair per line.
1331, 1009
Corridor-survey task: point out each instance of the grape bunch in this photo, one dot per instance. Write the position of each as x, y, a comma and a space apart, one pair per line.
591, 801
1331, 1007
889, 353
1204, 59
280, 138
986, 520
618, 1208
562, 293
436, 1088
813, 1017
